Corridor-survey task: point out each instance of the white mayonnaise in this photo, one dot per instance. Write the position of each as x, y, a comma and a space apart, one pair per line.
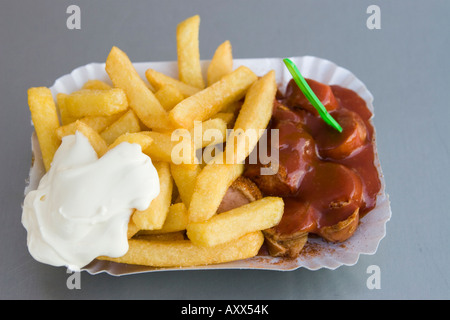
83, 204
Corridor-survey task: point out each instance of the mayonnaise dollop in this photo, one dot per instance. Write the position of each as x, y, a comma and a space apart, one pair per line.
83, 204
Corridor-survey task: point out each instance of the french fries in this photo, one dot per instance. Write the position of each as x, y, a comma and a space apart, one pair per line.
100, 123
181, 227
66, 118
166, 149
127, 123
183, 253
176, 220
97, 142
210, 187
185, 176
158, 80
132, 229
96, 85
169, 96
144, 141
154, 216
227, 226
86, 102
221, 64
45, 119
204, 104
189, 68
141, 99
253, 118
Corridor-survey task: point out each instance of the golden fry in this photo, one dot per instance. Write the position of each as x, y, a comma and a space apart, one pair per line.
66, 118
45, 119
211, 185
252, 119
132, 229
154, 216
226, 226
185, 176
137, 138
159, 80
166, 149
100, 123
141, 99
212, 131
169, 96
85, 102
184, 253
221, 64
127, 123
96, 85
176, 220
189, 68
206, 103
97, 142
226, 117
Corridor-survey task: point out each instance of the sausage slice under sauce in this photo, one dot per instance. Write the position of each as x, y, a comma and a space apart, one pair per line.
328, 180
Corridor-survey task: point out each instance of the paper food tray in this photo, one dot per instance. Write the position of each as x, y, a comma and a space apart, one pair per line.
317, 253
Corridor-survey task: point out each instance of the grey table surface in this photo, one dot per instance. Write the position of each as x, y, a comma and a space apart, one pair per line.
404, 64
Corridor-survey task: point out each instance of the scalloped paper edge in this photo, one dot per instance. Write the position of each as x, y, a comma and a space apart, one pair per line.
317, 253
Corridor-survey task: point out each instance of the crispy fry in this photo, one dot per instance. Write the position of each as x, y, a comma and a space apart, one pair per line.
100, 123
141, 98
185, 176
97, 142
253, 118
169, 96
85, 102
45, 119
164, 148
132, 229
206, 103
176, 220
205, 136
154, 216
66, 118
159, 80
226, 226
210, 188
221, 64
138, 138
233, 107
96, 85
184, 253
189, 68
227, 117
127, 123
179, 146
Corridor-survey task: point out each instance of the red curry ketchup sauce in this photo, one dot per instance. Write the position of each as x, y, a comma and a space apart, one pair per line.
325, 177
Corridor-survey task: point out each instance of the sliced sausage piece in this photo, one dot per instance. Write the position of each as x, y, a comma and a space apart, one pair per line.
296, 152
332, 144
342, 230
296, 98
242, 191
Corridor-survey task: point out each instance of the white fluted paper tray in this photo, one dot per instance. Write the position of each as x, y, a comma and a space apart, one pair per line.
317, 253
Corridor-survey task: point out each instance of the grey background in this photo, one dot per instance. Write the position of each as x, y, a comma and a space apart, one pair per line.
405, 65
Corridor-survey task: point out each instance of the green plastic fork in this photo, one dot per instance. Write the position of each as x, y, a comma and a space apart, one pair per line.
310, 95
